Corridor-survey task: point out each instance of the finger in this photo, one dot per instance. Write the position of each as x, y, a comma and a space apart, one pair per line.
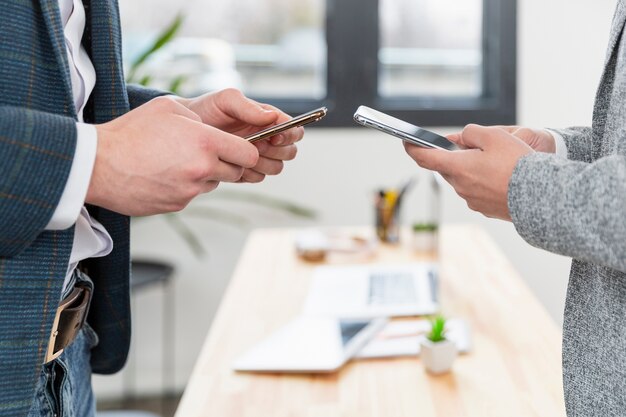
454, 137
235, 104
281, 153
223, 171
252, 176
230, 148
433, 159
269, 166
288, 137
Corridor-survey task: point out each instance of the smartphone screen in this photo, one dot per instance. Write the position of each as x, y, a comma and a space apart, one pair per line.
303, 119
401, 129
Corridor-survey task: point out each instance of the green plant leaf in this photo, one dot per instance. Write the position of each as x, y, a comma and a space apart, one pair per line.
146, 80
163, 39
174, 86
437, 329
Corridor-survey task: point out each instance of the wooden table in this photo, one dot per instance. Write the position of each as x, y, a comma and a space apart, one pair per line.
513, 370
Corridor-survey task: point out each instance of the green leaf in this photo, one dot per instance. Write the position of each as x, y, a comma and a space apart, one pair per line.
163, 39
176, 83
146, 80
437, 330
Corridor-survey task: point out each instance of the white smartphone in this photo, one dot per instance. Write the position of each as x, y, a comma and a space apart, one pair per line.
399, 128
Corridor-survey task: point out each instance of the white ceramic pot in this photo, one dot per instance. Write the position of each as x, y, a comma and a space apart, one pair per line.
425, 241
438, 357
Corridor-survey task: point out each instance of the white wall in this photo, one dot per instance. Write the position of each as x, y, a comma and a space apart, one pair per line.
561, 52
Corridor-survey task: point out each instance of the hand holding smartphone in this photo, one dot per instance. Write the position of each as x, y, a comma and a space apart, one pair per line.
304, 119
399, 128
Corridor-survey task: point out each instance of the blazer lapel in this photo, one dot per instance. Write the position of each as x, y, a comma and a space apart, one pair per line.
52, 17
103, 41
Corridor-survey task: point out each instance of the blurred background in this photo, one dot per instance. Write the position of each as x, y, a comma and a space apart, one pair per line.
437, 63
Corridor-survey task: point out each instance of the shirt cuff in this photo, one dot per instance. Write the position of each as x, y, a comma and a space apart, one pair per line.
559, 141
75, 192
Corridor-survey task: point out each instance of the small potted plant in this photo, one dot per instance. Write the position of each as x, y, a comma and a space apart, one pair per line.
437, 352
425, 237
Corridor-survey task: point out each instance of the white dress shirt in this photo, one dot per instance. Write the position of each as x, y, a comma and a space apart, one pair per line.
91, 238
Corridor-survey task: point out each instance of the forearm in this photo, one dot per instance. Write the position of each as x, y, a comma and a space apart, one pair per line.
572, 208
36, 155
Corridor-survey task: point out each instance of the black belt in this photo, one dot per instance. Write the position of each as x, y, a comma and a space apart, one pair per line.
69, 319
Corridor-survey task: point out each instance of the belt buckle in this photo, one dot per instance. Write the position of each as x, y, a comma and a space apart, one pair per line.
67, 302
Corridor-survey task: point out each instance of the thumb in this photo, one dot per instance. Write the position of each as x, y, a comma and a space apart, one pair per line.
238, 106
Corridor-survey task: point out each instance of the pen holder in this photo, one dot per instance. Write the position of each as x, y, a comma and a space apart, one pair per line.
387, 214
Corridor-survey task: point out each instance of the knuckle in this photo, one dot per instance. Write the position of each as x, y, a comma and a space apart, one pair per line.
200, 171
164, 102
232, 93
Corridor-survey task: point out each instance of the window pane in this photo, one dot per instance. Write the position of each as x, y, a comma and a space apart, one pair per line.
430, 48
267, 48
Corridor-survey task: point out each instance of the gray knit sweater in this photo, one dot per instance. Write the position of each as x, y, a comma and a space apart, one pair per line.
577, 207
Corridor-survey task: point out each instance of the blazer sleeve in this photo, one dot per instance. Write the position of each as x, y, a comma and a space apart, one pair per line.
36, 154
578, 141
138, 95
572, 208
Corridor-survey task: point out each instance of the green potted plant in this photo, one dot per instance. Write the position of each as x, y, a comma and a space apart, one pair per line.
425, 237
437, 352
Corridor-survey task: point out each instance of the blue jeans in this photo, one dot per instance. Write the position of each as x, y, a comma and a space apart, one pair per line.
64, 386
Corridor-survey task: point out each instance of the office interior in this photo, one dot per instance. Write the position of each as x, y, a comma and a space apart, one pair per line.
560, 52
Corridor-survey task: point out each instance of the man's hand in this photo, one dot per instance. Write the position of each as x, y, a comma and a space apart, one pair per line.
481, 173
232, 112
158, 157
538, 139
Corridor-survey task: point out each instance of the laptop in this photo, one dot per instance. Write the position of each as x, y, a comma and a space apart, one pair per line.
370, 291
309, 345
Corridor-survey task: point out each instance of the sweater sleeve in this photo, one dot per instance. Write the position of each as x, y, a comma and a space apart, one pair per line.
578, 141
572, 208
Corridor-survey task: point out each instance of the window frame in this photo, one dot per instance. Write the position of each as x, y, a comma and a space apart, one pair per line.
353, 39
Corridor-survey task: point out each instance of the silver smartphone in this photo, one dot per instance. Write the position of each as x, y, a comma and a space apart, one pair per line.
399, 128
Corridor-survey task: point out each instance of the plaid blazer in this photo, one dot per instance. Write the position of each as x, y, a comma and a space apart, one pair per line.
37, 143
